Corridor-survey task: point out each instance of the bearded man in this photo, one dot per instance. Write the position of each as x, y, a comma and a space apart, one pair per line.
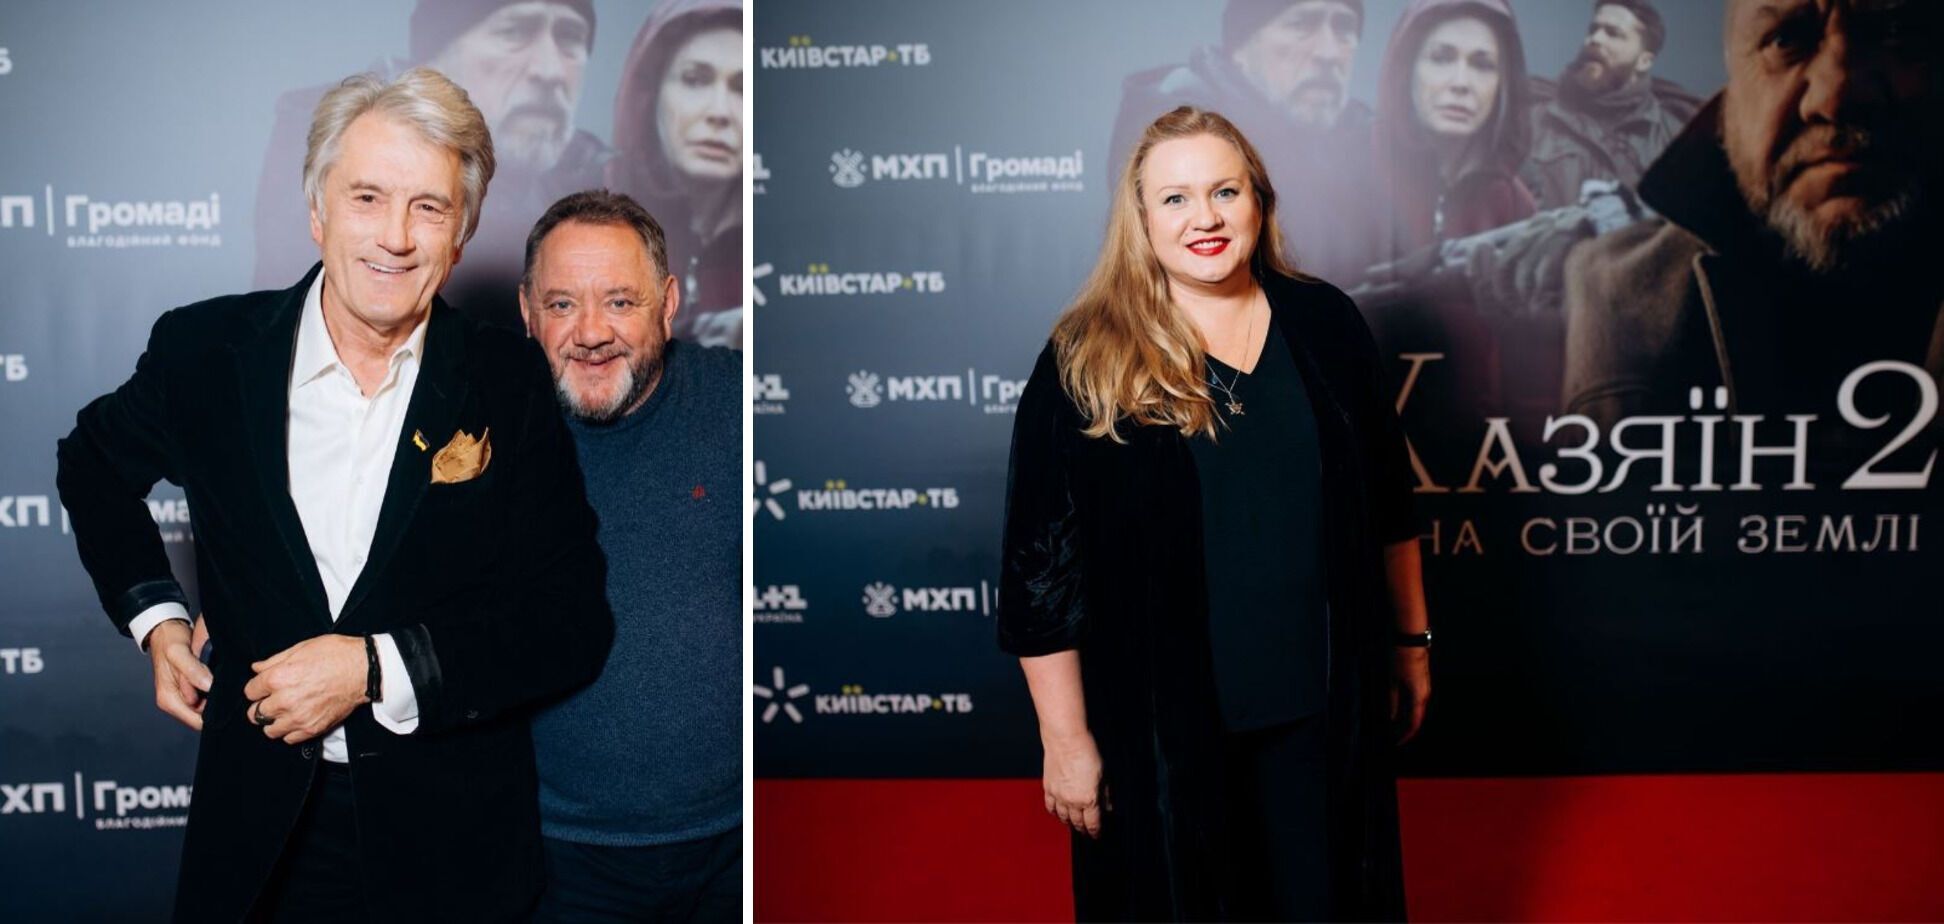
1798, 211
1608, 117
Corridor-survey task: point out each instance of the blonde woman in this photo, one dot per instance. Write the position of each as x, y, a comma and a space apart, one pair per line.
1211, 573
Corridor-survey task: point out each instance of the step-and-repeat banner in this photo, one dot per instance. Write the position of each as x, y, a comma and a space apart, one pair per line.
1674, 431
151, 156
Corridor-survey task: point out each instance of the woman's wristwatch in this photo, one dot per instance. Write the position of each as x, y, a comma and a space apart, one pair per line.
1418, 640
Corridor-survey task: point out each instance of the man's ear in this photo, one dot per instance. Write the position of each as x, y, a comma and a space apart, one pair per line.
526, 312
671, 303
1643, 64
316, 227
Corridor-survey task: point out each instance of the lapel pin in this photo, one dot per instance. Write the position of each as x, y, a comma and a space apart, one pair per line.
418, 439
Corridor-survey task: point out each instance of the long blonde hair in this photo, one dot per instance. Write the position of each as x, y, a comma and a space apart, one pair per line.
1125, 350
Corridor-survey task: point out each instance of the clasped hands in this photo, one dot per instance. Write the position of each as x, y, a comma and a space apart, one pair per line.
301, 692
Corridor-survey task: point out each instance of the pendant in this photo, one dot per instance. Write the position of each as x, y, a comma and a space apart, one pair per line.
1235, 408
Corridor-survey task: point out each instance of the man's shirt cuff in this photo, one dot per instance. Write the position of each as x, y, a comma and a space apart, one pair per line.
397, 710
143, 624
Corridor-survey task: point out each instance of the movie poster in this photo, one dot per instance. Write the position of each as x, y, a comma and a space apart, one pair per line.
1654, 297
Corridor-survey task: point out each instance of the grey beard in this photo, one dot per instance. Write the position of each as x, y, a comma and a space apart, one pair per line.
641, 377
1840, 246
535, 152
1823, 248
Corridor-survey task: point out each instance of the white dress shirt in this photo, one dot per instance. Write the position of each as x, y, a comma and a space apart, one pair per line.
340, 455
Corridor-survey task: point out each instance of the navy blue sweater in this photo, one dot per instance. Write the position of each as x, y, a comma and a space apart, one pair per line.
651, 752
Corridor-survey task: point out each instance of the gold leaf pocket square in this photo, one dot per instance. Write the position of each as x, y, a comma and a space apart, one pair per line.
463, 459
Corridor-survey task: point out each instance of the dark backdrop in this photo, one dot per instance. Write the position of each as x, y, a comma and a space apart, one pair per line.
902, 295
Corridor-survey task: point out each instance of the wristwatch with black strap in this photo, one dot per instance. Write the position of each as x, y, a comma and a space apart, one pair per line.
374, 678
1414, 640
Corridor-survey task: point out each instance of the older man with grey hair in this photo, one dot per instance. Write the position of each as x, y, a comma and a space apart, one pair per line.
524, 63
387, 505
1801, 211
1281, 73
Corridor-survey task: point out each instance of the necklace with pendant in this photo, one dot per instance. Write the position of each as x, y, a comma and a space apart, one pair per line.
1234, 405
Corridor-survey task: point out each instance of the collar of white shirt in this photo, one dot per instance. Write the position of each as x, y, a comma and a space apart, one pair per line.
317, 355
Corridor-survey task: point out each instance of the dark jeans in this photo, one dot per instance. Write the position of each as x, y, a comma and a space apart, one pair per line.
319, 877
699, 880
1280, 864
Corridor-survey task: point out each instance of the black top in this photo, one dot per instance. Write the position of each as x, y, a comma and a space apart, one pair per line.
1261, 482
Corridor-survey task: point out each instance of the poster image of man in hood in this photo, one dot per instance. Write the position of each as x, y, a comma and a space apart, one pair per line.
1282, 74
1608, 116
1799, 211
679, 137
523, 63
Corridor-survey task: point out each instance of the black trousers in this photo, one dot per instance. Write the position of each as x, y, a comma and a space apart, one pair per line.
698, 880
320, 875
1279, 861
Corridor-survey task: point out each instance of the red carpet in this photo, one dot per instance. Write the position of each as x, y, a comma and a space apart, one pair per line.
1771, 847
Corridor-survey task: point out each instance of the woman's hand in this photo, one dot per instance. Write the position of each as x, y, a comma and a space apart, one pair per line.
1072, 777
1072, 781
1410, 666
1410, 690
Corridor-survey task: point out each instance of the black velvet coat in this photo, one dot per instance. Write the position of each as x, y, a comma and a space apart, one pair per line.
1103, 553
493, 589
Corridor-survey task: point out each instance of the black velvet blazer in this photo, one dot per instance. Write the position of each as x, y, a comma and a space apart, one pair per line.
1103, 553
493, 588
